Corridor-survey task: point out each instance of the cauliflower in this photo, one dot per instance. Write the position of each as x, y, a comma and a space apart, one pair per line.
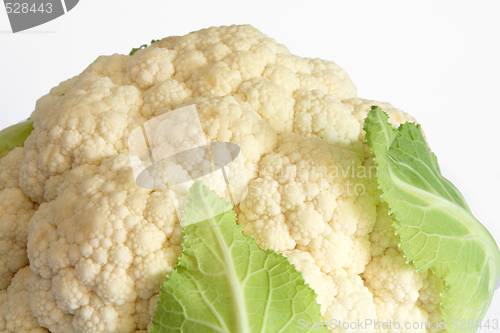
83, 249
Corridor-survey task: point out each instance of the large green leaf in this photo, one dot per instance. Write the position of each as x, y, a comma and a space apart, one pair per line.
225, 283
436, 228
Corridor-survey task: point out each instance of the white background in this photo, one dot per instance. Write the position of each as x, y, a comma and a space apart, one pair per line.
437, 61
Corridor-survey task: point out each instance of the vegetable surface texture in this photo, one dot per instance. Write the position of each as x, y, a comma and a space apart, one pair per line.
84, 249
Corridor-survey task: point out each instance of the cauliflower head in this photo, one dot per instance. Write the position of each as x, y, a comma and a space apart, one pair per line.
83, 249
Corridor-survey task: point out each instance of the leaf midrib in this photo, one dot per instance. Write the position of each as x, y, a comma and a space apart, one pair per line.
234, 284
453, 209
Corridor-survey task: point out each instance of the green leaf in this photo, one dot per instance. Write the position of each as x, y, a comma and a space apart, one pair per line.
135, 49
225, 283
143, 46
14, 136
436, 228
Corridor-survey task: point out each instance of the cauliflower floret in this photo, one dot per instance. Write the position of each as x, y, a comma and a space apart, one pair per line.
214, 79
400, 293
324, 115
342, 296
283, 77
333, 77
360, 107
165, 96
16, 210
224, 119
107, 253
272, 102
15, 312
150, 66
306, 197
391, 279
